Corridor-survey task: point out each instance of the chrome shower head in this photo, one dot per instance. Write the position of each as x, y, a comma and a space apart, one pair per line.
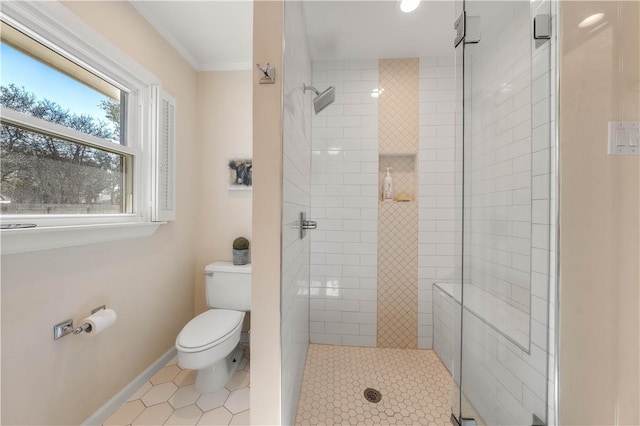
322, 100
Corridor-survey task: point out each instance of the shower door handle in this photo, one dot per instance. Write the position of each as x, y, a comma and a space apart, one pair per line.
304, 224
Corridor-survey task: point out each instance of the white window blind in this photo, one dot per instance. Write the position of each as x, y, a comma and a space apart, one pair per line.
165, 158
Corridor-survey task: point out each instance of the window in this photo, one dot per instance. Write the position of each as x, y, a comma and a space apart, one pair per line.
86, 134
49, 169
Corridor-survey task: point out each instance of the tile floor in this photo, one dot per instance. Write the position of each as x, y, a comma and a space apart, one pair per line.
170, 399
335, 378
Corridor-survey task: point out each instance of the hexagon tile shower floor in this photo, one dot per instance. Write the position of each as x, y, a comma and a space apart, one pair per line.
414, 384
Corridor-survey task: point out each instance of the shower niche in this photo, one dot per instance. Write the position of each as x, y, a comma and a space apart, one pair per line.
403, 173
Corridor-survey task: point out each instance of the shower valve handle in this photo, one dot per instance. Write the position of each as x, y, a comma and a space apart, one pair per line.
309, 224
302, 224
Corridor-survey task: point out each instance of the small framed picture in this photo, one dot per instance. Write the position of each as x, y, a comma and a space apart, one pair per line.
239, 175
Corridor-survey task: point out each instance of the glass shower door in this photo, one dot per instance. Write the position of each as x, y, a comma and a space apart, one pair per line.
505, 174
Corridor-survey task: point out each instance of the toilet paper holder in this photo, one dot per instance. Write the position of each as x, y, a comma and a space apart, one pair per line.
66, 327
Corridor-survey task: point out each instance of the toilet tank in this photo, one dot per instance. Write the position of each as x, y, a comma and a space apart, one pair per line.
228, 286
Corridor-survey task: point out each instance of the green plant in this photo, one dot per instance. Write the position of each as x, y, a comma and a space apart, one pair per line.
241, 243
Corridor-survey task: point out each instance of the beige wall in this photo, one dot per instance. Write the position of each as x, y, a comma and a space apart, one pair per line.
224, 130
149, 282
600, 217
267, 204
144, 279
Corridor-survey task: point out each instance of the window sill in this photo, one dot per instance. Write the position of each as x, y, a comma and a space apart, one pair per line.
52, 237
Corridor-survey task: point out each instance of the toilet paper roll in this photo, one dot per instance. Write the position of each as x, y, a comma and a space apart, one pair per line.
99, 321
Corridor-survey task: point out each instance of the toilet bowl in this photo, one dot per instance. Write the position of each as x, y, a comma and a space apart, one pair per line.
209, 343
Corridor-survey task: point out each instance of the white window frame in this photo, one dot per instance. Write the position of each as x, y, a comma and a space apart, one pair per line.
54, 26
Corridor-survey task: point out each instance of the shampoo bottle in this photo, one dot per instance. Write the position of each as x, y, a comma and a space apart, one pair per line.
387, 186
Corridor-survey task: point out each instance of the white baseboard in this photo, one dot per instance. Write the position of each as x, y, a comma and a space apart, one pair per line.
121, 397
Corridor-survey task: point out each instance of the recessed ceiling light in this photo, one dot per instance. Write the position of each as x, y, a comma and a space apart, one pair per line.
591, 20
409, 5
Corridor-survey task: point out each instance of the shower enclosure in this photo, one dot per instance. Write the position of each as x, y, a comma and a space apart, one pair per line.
503, 363
478, 197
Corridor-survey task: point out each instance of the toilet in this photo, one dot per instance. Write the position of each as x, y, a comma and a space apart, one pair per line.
209, 343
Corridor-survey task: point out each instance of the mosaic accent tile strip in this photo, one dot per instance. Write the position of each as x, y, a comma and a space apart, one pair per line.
414, 384
397, 302
398, 275
398, 105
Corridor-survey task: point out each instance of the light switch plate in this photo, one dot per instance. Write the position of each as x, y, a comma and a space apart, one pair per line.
624, 138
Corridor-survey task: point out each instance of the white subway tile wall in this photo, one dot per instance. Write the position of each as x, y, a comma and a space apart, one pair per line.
446, 316
500, 156
344, 187
296, 198
345, 191
503, 383
436, 214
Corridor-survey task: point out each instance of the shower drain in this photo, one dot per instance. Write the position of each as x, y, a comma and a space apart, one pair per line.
372, 395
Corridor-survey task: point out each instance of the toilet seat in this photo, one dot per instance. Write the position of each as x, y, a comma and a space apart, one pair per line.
209, 329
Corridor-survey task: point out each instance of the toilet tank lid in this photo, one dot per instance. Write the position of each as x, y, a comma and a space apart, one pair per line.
228, 267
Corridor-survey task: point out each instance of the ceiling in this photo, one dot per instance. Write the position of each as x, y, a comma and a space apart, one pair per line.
210, 35
378, 29
217, 35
